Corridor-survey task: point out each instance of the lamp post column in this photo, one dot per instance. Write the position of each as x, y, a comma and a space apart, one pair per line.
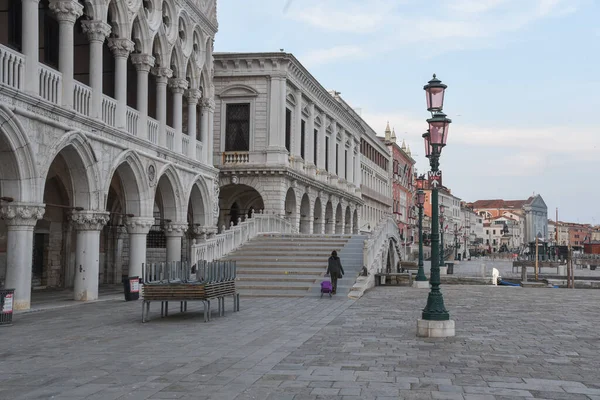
421, 280
441, 238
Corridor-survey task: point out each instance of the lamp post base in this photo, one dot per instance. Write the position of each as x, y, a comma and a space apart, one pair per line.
421, 284
435, 329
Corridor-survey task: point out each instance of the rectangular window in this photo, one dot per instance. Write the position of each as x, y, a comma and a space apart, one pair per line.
302, 138
487, 231
337, 159
327, 154
346, 164
237, 127
288, 129
315, 146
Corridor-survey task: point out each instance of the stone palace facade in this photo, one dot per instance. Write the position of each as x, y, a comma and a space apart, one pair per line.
106, 113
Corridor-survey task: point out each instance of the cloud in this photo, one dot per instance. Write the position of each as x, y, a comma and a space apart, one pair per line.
322, 56
450, 25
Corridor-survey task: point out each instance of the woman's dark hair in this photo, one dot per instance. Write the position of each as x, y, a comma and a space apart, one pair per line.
334, 253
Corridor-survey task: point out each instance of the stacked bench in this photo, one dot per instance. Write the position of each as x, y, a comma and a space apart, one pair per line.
204, 282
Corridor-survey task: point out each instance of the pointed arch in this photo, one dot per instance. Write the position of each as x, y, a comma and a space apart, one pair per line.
140, 34
178, 63
161, 50
132, 173
192, 75
18, 171
199, 201
170, 190
117, 17
83, 168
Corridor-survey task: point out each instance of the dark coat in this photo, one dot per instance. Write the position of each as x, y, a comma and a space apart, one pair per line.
334, 266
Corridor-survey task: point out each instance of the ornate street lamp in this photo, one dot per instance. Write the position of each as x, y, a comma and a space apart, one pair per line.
435, 140
420, 202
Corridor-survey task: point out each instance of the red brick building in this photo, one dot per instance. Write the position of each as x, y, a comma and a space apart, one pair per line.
403, 190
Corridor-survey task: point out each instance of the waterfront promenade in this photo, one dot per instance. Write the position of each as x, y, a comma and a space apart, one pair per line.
510, 343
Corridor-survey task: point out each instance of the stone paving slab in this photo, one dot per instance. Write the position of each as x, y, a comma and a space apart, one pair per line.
511, 343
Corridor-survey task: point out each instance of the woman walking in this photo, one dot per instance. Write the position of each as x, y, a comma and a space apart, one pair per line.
334, 269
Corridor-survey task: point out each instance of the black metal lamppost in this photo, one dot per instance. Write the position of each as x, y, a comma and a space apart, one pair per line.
456, 244
420, 202
435, 140
442, 231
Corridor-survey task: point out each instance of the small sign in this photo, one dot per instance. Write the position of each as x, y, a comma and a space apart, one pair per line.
134, 284
434, 178
7, 308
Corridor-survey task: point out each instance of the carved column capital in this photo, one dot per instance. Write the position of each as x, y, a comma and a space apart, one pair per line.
88, 220
209, 103
193, 95
138, 225
178, 85
21, 214
175, 229
142, 62
66, 10
162, 73
120, 47
96, 30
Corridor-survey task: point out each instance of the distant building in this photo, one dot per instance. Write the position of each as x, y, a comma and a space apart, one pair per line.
533, 213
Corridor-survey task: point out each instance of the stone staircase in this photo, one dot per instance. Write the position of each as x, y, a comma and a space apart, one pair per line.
293, 265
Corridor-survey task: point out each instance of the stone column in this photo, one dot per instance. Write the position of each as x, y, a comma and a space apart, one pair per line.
31, 44
193, 95
162, 77
340, 155
332, 143
137, 228
178, 86
310, 134
297, 126
350, 165
20, 219
88, 225
143, 63
174, 231
210, 132
204, 129
67, 12
357, 170
121, 49
321, 142
276, 136
96, 31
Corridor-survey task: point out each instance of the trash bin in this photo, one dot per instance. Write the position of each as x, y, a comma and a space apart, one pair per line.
131, 287
6, 306
450, 266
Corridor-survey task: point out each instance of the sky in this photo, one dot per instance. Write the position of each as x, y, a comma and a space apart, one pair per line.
523, 82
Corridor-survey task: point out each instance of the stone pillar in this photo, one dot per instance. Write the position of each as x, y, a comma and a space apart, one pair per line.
310, 134
321, 142
30, 42
162, 77
20, 219
210, 132
67, 12
357, 169
137, 228
88, 225
96, 31
296, 137
276, 136
174, 231
332, 153
143, 63
178, 86
350, 164
120, 49
193, 95
204, 129
340, 155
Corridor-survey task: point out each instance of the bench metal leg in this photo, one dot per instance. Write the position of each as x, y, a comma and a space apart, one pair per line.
205, 311
162, 309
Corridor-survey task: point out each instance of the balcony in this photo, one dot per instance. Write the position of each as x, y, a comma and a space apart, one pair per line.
12, 74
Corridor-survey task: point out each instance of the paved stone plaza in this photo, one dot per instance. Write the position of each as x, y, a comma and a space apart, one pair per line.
510, 343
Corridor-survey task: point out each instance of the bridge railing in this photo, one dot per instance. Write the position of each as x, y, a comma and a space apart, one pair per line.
230, 239
377, 244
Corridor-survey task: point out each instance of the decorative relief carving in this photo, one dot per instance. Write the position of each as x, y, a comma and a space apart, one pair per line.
89, 220
216, 210
66, 10
143, 62
139, 225
120, 47
21, 214
178, 85
96, 30
175, 228
151, 174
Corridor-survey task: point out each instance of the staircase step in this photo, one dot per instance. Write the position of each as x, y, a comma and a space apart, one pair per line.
274, 286
276, 278
302, 273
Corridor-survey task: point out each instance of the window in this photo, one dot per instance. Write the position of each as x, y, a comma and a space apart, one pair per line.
237, 127
487, 231
288, 128
327, 154
302, 138
346, 164
337, 159
494, 231
315, 146
14, 24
